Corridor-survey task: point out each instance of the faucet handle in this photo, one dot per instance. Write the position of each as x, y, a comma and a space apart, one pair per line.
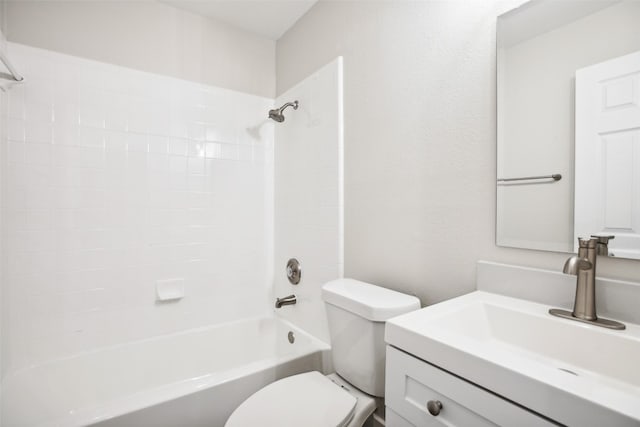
602, 244
602, 239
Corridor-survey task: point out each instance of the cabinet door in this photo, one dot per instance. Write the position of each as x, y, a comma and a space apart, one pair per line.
392, 419
412, 383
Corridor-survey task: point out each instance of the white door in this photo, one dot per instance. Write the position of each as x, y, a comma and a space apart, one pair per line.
607, 150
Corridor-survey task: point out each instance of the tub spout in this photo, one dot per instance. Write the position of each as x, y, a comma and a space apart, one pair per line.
288, 300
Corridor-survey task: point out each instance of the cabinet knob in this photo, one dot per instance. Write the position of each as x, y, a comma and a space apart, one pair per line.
434, 407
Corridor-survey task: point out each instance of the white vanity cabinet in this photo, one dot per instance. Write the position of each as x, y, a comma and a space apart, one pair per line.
411, 384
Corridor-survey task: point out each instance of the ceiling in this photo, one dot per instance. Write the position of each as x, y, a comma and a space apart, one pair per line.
266, 18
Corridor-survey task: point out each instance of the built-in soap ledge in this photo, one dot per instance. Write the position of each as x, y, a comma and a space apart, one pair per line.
169, 290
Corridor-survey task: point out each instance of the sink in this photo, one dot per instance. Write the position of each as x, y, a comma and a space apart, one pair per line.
570, 372
525, 329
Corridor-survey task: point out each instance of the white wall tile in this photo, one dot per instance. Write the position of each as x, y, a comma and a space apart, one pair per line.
108, 190
65, 133
38, 111
15, 152
38, 131
15, 104
15, 129
91, 137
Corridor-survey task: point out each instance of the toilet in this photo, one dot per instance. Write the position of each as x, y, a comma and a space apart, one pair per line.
357, 312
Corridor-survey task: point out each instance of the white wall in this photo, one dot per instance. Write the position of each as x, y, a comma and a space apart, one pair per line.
115, 179
3, 18
3, 121
149, 36
538, 122
308, 201
420, 168
3, 136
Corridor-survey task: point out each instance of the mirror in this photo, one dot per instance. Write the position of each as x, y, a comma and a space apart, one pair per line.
568, 93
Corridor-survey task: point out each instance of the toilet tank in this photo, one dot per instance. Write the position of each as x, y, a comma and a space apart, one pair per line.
357, 312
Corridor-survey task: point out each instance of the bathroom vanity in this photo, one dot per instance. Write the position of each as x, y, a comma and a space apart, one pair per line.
491, 359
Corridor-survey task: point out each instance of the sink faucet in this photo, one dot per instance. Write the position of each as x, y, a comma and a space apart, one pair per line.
288, 300
583, 265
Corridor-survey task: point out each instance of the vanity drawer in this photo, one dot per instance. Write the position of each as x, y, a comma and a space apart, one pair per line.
411, 383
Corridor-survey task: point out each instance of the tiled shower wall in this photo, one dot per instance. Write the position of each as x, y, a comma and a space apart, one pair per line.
115, 179
308, 195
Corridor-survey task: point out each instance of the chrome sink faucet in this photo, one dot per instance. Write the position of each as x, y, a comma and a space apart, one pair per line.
583, 265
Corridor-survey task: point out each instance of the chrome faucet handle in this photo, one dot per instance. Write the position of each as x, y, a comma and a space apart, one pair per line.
602, 239
602, 244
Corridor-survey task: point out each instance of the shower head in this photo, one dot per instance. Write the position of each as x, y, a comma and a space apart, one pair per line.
276, 113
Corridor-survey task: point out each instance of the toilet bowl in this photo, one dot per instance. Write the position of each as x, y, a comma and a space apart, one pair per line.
356, 312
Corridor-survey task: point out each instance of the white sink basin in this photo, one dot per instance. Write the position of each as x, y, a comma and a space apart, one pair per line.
571, 372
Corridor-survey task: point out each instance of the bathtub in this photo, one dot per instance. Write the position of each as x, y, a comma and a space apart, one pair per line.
193, 378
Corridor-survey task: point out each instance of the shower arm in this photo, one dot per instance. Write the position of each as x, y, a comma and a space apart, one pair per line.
13, 73
293, 104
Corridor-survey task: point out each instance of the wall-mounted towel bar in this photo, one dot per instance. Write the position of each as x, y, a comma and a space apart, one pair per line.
555, 177
14, 73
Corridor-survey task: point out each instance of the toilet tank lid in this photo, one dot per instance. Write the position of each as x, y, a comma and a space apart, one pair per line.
372, 302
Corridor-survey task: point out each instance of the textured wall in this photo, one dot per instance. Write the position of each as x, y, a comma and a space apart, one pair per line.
420, 169
2, 17
148, 36
116, 179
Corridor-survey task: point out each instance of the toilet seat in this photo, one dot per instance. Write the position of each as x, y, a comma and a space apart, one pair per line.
309, 399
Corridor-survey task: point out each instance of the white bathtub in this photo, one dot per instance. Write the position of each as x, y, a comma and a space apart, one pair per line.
193, 378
